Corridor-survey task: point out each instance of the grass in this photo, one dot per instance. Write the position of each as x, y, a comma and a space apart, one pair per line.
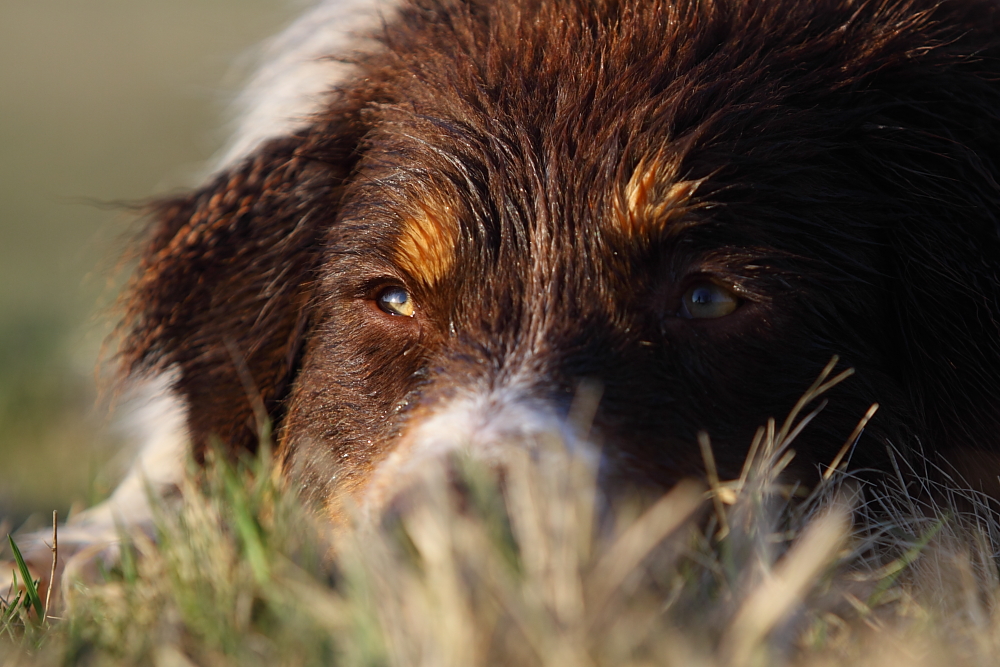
540, 570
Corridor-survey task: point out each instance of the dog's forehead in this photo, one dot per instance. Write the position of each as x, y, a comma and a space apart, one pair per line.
431, 208
498, 155
429, 198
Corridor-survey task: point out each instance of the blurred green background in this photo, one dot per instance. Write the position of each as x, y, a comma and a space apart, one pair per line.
102, 102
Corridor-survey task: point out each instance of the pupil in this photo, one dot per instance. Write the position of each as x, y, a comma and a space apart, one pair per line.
702, 296
396, 301
396, 297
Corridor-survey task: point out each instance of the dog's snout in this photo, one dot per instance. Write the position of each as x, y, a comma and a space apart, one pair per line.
490, 431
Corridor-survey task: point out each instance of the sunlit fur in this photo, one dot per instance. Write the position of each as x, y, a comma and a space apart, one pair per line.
830, 162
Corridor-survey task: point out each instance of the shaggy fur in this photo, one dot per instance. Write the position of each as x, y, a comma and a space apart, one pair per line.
546, 180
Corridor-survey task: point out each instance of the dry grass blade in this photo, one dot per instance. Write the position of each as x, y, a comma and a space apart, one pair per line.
817, 388
712, 473
787, 586
851, 440
658, 522
55, 560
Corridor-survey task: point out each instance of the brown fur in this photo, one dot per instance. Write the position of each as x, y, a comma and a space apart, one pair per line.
547, 178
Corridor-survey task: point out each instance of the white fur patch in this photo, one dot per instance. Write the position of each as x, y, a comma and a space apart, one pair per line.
484, 425
296, 71
155, 420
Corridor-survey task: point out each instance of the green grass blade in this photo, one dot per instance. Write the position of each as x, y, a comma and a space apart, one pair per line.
29, 584
248, 530
904, 562
7, 617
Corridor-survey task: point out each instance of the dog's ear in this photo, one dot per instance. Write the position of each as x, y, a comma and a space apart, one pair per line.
222, 291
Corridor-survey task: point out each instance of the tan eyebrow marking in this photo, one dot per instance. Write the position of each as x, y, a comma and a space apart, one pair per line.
427, 241
653, 197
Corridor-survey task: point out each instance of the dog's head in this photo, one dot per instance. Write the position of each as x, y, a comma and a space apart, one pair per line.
691, 206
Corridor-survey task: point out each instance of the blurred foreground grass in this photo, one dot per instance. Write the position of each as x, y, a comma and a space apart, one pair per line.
537, 571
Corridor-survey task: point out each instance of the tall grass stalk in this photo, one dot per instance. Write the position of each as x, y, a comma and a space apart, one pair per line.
540, 569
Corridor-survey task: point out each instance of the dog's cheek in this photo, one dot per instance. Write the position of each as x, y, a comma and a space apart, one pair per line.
729, 382
347, 403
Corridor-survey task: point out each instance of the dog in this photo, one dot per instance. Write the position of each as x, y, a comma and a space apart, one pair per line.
430, 234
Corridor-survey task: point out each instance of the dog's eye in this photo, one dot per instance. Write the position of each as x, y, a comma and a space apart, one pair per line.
396, 301
707, 300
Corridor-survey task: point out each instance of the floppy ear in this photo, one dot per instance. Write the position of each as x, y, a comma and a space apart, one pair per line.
222, 291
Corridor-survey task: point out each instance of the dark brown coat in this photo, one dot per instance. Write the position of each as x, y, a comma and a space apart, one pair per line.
550, 184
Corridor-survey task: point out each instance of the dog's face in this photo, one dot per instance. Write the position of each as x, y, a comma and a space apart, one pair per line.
684, 210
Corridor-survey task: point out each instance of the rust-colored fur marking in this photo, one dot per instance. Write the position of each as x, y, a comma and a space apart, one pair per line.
653, 197
426, 246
